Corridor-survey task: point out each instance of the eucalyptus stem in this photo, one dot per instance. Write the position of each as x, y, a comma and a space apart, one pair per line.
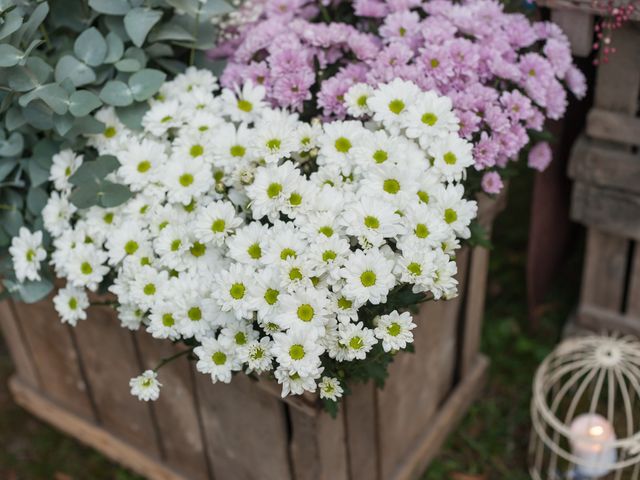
45, 35
196, 28
106, 303
170, 359
4, 206
325, 14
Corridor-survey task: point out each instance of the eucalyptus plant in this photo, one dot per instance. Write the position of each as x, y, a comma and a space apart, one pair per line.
60, 60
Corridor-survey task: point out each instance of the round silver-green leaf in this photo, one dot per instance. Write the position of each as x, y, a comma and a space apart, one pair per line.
83, 102
145, 83
117, 93
91, 47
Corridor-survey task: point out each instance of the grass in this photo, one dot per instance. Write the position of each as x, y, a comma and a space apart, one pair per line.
492, 440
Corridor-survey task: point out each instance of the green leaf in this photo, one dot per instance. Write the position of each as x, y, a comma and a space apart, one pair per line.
36, 200
11, 221
38, 115
84, 196
190, 7
91, 47
29, 291
14, 119
212, 8
113, 194
35, 20
12, 22
63, 124
73, 69
83, 102
88, 126
115, 48
145, 83
54, 96
116, 93
479, 236
9, 55
110, 7
128, 65
12, 147
23, 78
170, 31
94, 172
37, 174
138, 22
132, 115
6, 166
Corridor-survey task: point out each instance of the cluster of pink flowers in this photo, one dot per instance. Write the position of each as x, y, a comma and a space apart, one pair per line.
504, 74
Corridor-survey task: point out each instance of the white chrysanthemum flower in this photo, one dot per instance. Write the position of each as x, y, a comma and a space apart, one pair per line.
146, 386
233, 144
114, 136
161, 117
147, 286
27, 254
162, 321
274, 137
356, 99
357, 339
126, 241
345, 310
171, 244
430, 118
368, 277
63, 165
57, 214
86, 266
394, 330
451, 156
444, 284
246, 104
338, 142
215, 222
141, 163
390, 102
130, 316
189, 145
425, 228
379, 149
298, 351
249, 243
393, 184
259, 356
186, 180
328, 255
265, 291
238, 335
231, 290
457, 212
307, 135
371, 221
305, 309
193, 79
285, 242
293, 383
71, 303
417, 267
330, 388
216, 359
267, 192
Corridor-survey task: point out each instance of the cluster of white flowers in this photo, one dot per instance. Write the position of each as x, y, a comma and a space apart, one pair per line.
259, 236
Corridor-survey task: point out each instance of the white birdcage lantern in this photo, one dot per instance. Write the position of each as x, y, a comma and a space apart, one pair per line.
586, 411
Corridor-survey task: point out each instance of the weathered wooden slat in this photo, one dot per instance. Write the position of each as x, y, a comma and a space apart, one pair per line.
603, 320
609, 210
433, 364
55, 356
613, 126
605, 164
108, 354
176, 411
439, 427
89, 432
603, 277
18, 348
582, 6
633, 292
245, 429
361, 420
618, 80
318, 446
578, 26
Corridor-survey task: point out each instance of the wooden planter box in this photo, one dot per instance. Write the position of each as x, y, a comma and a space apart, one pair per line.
77, 380
605, 166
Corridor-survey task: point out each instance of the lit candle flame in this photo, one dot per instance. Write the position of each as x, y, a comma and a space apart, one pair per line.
596, 431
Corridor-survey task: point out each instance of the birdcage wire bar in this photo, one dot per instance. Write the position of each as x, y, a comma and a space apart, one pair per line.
591, 377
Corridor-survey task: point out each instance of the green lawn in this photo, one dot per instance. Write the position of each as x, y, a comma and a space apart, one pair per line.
491, 442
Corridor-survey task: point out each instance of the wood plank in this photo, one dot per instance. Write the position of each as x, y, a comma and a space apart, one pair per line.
618, 81
609, 210
605, 164
603, 277
245, 428
587, 6
421, 381
89, 433
361, 421
18, 347
578, 26
603, 320
613, 126
55, 356
176, 411
318, 446
110, 360
452, 411
633, 292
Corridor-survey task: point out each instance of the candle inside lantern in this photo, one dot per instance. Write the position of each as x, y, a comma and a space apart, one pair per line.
592, 438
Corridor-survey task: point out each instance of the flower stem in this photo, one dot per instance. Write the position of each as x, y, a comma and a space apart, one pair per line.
170, 359
196, 27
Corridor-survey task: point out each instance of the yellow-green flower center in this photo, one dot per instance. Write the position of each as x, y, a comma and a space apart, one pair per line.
245, 105
391, 186
305, 312
421, 231
287, 252
296, 352
371, 222
415, 268
368, 278
429, 119
396, 106
274, 190
73, 303
237, 291
144, 166
198, 249
255, 251
86, 268
450, 158
219, 358
356, 343
168, 320
149, 289
131, 247
394, 329
271, 296
194, 314
343, 145
185, 179
380, 156
450, 215
237, 151
196, 151
110, 132
218, 226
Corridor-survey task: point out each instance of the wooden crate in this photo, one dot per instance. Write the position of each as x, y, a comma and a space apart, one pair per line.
77, 380
605, 166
